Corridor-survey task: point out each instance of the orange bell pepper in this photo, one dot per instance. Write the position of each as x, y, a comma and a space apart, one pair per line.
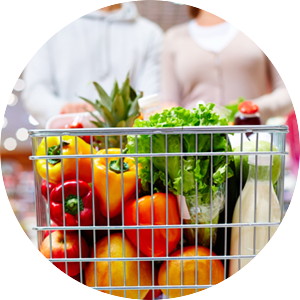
114, 181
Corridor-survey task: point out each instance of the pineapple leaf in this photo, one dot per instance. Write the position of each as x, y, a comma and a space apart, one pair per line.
115, 90
95, 105
118, 108
132, 94
135, 108
130, 120
125, 92
109, 119
98, 120
105, 100
121, 124
97, 124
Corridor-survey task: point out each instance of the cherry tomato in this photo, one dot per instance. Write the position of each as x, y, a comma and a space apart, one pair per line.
76, 124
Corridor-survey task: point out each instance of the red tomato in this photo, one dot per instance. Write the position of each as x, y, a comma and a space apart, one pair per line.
74, 124
159, 218
248, 107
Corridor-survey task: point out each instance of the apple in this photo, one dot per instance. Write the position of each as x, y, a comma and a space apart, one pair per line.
46, 232
77, 277
251, 147
72, 247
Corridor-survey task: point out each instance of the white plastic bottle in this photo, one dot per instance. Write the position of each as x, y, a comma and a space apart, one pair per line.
149, 106
267, 210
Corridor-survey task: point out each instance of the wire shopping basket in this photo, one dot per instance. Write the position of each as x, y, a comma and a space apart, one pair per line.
178, 211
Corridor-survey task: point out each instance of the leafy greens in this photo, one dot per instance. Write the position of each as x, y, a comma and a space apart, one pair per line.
194, 169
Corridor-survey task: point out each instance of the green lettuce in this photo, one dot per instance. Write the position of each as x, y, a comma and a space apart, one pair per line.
195, 171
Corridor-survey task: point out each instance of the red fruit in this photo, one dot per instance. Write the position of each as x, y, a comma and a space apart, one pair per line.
47, 231
74, 124
72, 247
77, 277
44, 188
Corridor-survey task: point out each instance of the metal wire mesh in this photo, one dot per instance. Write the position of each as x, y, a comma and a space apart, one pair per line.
203, 265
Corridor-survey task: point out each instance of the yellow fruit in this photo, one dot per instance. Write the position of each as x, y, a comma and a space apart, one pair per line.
117, 268
203, 271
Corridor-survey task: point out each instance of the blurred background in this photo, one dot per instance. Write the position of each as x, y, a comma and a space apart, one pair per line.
16, 146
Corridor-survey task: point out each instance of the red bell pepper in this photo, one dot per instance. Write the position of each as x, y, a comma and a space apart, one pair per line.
71, 204
159, 218
44, 188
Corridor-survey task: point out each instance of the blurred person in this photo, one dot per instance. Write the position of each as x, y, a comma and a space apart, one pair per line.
209, 60
102, 46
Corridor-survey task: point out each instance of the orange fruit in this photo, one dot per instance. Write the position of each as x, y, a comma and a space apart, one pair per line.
203, 271
117, 268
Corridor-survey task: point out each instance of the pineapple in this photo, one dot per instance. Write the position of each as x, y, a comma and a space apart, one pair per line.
120, 109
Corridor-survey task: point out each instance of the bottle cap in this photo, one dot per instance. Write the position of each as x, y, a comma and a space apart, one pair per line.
262, 160
248, 107
149, 101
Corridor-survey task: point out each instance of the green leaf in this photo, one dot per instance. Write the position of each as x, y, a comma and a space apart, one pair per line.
133, 94
95, 105
115, 90
97, 124
134, 108
109, 119
121, 124
130, 120
125, 91
234, 109
98, 120
105, 100
118, 109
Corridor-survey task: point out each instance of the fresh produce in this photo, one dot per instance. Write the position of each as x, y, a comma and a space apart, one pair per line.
195, 170
44, 188
100, 233
76, 124
114, 181
251, 147
157, 292
58, 250
120, 109
159, 218
203, 271
46, 232
234, 108
69, 164
72, 199
77, 278
117, 268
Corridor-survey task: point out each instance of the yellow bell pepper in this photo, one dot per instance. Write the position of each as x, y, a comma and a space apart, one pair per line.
114, 181
69, 164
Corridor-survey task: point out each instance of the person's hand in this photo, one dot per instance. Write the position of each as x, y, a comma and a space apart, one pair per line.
70, 108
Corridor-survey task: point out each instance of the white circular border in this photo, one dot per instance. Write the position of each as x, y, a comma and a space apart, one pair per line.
27, 24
